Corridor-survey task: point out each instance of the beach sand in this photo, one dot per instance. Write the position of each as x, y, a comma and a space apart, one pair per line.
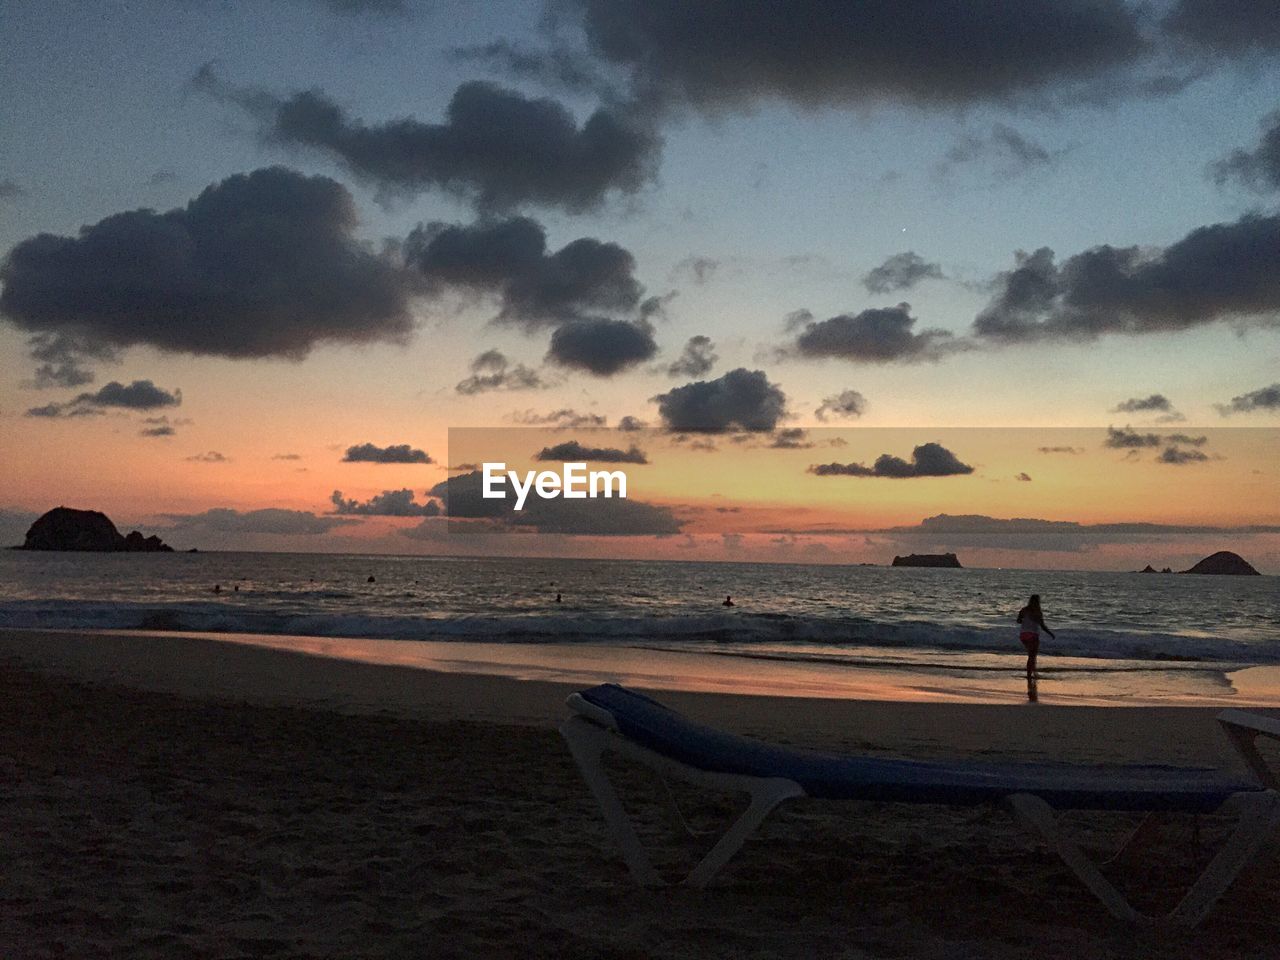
192, 798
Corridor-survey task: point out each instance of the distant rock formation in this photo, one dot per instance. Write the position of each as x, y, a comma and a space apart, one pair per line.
1150, 569
65, 529
1225, 563
927, 560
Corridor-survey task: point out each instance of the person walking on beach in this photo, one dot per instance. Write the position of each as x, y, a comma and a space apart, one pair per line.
1030, 623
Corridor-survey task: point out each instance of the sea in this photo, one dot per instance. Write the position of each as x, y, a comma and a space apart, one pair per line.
1163, 630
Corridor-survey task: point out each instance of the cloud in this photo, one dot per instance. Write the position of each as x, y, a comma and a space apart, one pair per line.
1023, 477
138, 395
61, 360
213, 456
1126, 438
792, 438
927, 460
1177, 456
598, 518
1225, 271
698, 269
286, 456
1009, 150
630, 424
740, 400
269, 520
161, 426
572, 450
602, 347
1258, 168
566, 418
847, 404
1264, 398
396, 453
878, 335
902, 271
1071, 450
496, 147
262, 264
10, 190
720, 54
388, 503
697, 357
1227, 27
537, 289
1155, 403
491, 371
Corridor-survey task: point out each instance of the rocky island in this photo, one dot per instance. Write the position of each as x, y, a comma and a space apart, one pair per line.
927, 560
63, 528
1224, 563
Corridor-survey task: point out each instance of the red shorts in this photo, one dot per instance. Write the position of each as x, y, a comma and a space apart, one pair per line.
1030, 640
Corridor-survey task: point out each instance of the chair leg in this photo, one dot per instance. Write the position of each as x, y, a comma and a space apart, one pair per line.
587, 743
1259, 818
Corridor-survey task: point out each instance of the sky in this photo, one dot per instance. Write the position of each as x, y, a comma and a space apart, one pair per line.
260, 260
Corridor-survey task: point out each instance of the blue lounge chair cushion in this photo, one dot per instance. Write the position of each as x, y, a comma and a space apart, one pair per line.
956, 783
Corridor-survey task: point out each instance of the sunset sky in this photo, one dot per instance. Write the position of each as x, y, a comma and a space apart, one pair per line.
258, 253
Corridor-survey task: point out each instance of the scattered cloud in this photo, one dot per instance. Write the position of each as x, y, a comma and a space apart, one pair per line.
602, 347
697, 358
902, 271
927, 460
492, 371
286, 456
1063, 449
396, 453
1257, 168
697, 269
845, 405
61, 359
1004, 148
630, 424
1126, 438
792, 438
1226, 27
1264, 398
1023, 477
10, 190
1220, 272
740, 400
496, 147
566, 418
877, 335
138, 395
1155, 403
213, 456
1177, 455
388, 503
572, 450
263, 264
269, 520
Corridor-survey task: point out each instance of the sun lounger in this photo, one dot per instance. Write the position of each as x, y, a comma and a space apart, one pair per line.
612, 717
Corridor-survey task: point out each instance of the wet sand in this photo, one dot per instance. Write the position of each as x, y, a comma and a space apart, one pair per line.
197, 798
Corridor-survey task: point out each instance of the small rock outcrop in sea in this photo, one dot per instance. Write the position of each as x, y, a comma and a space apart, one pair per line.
1225, 563
927, 560
1148, 569
88, 530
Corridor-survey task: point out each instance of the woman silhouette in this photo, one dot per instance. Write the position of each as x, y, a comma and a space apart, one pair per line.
1030, 623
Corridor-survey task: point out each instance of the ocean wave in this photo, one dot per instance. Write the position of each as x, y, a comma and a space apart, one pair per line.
729, 631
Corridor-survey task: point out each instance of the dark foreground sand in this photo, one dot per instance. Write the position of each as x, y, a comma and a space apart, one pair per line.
141, 820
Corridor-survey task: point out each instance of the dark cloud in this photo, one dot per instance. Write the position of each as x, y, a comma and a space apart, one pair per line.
389, 503
10, 190
138, 395
1155, 403
160, 427
1004, 147
269, 520
263, 264
509, 259
565, 418
1024, 477
740, 400
630, 424
496, 147
1126, 438
1177, 456
846, 404
698, 357
927, 460
1199, 441
491, 371
902, 271
792, 438
720, 54
1264, 398
1220, 272
878, 335
556, 67
1060, 449
366, 6
396, 453
602, 347
61, 360
1258, 168
213, 456
1227, 27
572, 450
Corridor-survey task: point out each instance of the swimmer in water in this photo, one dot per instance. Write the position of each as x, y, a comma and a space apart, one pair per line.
728, 602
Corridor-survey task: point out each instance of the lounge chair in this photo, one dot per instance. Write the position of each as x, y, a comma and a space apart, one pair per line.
612, 717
